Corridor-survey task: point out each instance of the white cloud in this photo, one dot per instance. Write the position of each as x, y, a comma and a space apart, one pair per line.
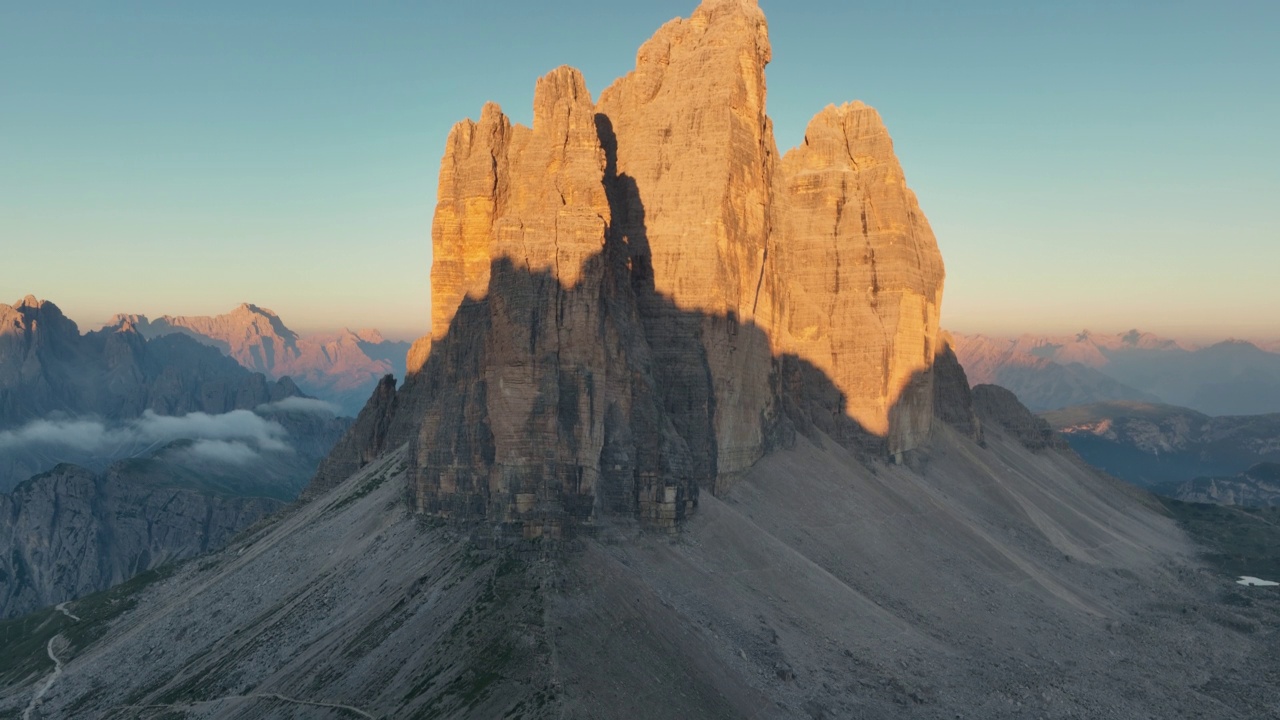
300, 404
83, 435
134, 436
229, 452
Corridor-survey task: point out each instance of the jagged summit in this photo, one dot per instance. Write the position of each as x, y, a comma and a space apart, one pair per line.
341, 367
637, 298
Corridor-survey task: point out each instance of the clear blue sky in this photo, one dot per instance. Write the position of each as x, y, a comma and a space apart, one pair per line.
1085, 163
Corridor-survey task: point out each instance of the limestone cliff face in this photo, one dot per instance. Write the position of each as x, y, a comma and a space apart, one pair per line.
635, 299
536, 401
695, 150
856, 272
70, 532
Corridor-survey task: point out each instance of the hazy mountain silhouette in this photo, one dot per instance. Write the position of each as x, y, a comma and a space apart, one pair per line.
1150, 445
341, 367
1051, 372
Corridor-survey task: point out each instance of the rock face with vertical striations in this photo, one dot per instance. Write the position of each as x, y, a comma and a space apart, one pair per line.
70, 531
537, 400
856, 272
695, 152
636, 299
363, 442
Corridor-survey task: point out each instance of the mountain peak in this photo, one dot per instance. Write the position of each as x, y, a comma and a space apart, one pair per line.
370, 335
633, 300
31, 310
251, 309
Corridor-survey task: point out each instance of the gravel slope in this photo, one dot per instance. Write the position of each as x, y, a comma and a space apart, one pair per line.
976, 582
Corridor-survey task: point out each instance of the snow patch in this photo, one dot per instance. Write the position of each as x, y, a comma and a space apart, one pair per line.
1256, 582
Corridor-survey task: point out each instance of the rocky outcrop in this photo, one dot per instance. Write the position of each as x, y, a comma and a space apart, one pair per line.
857, 272
626, 295
363, 442
537, 399
692, 185
997, 407
1259, 486
635, 300
952, 398
341, 367
70, 532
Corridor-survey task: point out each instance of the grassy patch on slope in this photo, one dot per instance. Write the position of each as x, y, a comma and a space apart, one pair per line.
1239, 540
24, 640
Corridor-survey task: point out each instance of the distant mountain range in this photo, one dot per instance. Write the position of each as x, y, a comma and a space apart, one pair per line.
1259, 486
112, 394
120, 452
47, 366
342, 367
1175, 451
1233, 377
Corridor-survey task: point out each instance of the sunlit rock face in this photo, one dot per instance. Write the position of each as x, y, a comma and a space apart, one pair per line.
628, 296
537, 401
857, 272
694, 142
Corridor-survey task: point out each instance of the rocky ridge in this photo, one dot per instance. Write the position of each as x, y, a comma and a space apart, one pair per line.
1259, 486
1051, 372
342, 366
69, 532
47, 366
49, 370
637, 298
1150, 444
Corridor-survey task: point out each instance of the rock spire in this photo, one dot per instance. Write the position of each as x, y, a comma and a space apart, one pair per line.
635, 299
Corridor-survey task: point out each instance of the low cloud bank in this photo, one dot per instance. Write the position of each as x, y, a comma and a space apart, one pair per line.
235, 437
300, 404
227, 452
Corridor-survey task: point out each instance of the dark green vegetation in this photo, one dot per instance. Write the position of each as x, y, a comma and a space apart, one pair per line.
24, 640
1239, 541
508, 598
369, 485
275, 477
